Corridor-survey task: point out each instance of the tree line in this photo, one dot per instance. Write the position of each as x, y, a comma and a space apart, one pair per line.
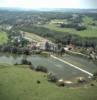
61, 37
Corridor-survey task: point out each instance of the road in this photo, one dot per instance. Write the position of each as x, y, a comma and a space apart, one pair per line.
76, 67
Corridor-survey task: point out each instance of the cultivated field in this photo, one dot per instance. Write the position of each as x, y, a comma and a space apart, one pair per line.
91, 31
3, 37
34, 37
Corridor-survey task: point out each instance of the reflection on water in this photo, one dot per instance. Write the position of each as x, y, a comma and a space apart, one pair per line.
60, 69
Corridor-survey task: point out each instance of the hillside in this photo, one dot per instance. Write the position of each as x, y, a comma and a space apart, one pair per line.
20, 83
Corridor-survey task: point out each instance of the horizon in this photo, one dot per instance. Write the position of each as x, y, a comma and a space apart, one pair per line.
21, 8
49, 4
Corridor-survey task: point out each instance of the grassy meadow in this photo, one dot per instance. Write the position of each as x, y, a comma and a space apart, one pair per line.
34, 37
91, 31
20, 83
3, 37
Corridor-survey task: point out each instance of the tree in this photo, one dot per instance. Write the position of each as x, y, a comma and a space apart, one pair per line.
41, 69
52, 77
47, 45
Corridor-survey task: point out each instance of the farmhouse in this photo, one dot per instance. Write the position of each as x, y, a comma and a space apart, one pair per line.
69, 47
45, 45
32, 45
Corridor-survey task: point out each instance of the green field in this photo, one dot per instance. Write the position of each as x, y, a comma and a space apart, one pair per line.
20, 83
34, 37
3, 37
91, 31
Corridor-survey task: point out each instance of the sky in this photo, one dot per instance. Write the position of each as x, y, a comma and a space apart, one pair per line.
31, 4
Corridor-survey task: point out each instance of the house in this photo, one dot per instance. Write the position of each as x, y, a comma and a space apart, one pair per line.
41, 45
46, 45
6, 27
69, 47
32, 46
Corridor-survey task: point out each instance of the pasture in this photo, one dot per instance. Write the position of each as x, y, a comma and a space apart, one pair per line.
3, 37
34, 37
20, 83
91, 31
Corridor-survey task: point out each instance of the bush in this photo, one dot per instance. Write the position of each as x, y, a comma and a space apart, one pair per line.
92, 84
52, 77
60, 83
45, 54
16, 64
36, 51
81, 28
94, 76
41, 69
26, 51
38, 82
31, 67
81, 80
26, 62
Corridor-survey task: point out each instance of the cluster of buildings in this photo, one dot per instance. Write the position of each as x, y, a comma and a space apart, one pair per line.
43, 45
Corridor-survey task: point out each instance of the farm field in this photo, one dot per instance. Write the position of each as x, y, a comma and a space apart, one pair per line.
91, 31
34, 37
3, 37
20, 83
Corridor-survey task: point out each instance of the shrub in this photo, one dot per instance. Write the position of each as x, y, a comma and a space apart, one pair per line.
26, 51
52, 77
16, 64
36, 52
31, 67
60, 83
94, 76
81, 80
45, 54
26, 62
81, 28
38, 82
41, 69
92, 84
